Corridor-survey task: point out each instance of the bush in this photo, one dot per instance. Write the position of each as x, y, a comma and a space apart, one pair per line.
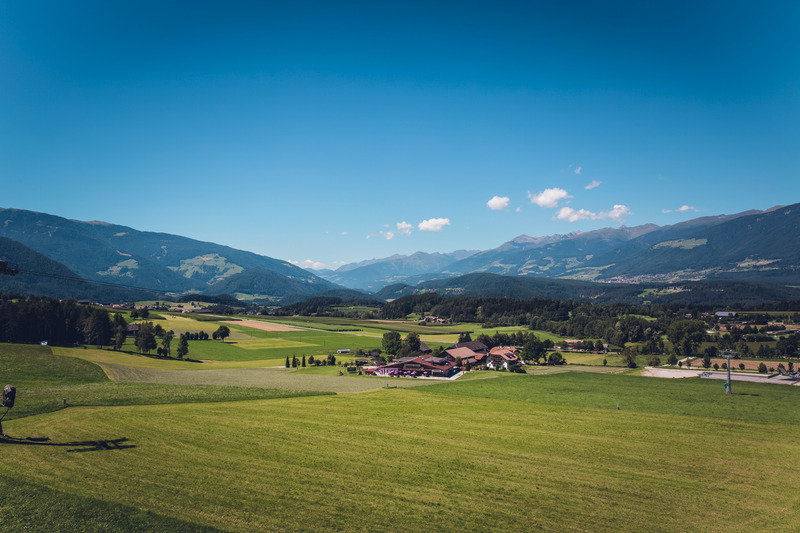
716, 366
762, 368
653, 360
741, 366
628, 357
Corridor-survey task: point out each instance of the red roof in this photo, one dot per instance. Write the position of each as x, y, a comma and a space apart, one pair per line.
505, 352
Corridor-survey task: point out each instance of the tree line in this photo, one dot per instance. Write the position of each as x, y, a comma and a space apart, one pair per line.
38, 319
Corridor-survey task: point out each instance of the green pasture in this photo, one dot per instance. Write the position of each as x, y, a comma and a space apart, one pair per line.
694, 397
182, 324
433, 334
595, 359
131, 358
508, 454
43, 379
277, 378
494, 451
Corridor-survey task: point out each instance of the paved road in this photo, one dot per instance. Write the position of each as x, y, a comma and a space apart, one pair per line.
710, 374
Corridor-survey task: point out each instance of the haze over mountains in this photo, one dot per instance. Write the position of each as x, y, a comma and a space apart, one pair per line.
754, 246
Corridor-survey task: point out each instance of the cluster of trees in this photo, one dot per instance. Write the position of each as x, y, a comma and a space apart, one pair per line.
63, 323
148, 336
395, 346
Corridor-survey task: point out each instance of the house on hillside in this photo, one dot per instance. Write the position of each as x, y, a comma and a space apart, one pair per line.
132, 330
502, 357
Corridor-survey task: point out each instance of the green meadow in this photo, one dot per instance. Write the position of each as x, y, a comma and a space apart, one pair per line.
231, 444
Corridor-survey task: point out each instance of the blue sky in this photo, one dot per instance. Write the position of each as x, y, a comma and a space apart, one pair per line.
332, 132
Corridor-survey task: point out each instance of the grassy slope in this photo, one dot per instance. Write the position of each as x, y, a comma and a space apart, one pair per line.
751, 402
351, 463
516, 452
507, 453
43, 380
33, 507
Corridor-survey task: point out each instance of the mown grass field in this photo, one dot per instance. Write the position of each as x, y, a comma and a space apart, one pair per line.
232, 447
471, 456
43, 380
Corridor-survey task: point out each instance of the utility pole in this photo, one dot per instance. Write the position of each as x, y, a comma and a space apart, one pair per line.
727, 354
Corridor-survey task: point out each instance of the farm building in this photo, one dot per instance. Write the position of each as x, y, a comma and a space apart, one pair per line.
475, 346
466, 355
502, 357
132, 330
419, 366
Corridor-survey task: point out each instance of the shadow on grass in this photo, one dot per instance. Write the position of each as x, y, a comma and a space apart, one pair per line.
76, 446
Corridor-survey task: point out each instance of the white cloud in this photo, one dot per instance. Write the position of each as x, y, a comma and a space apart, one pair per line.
498, 203
578, 170
548, 197
388, 235
618, 213
344, 233
404, 228
308, 263
592, 185
434, 224
681, 209
571, 215
574, 215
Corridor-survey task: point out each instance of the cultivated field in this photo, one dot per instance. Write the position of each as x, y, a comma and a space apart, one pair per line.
390, 460
235, 443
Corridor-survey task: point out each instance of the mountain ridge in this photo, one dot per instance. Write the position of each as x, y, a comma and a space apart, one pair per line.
101, 251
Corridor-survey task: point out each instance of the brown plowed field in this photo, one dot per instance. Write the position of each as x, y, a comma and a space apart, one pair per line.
263, 326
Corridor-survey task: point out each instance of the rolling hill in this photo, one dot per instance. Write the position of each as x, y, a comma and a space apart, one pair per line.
105, 252
44, 277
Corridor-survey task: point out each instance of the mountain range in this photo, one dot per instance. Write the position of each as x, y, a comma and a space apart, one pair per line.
756, 247
108, 253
